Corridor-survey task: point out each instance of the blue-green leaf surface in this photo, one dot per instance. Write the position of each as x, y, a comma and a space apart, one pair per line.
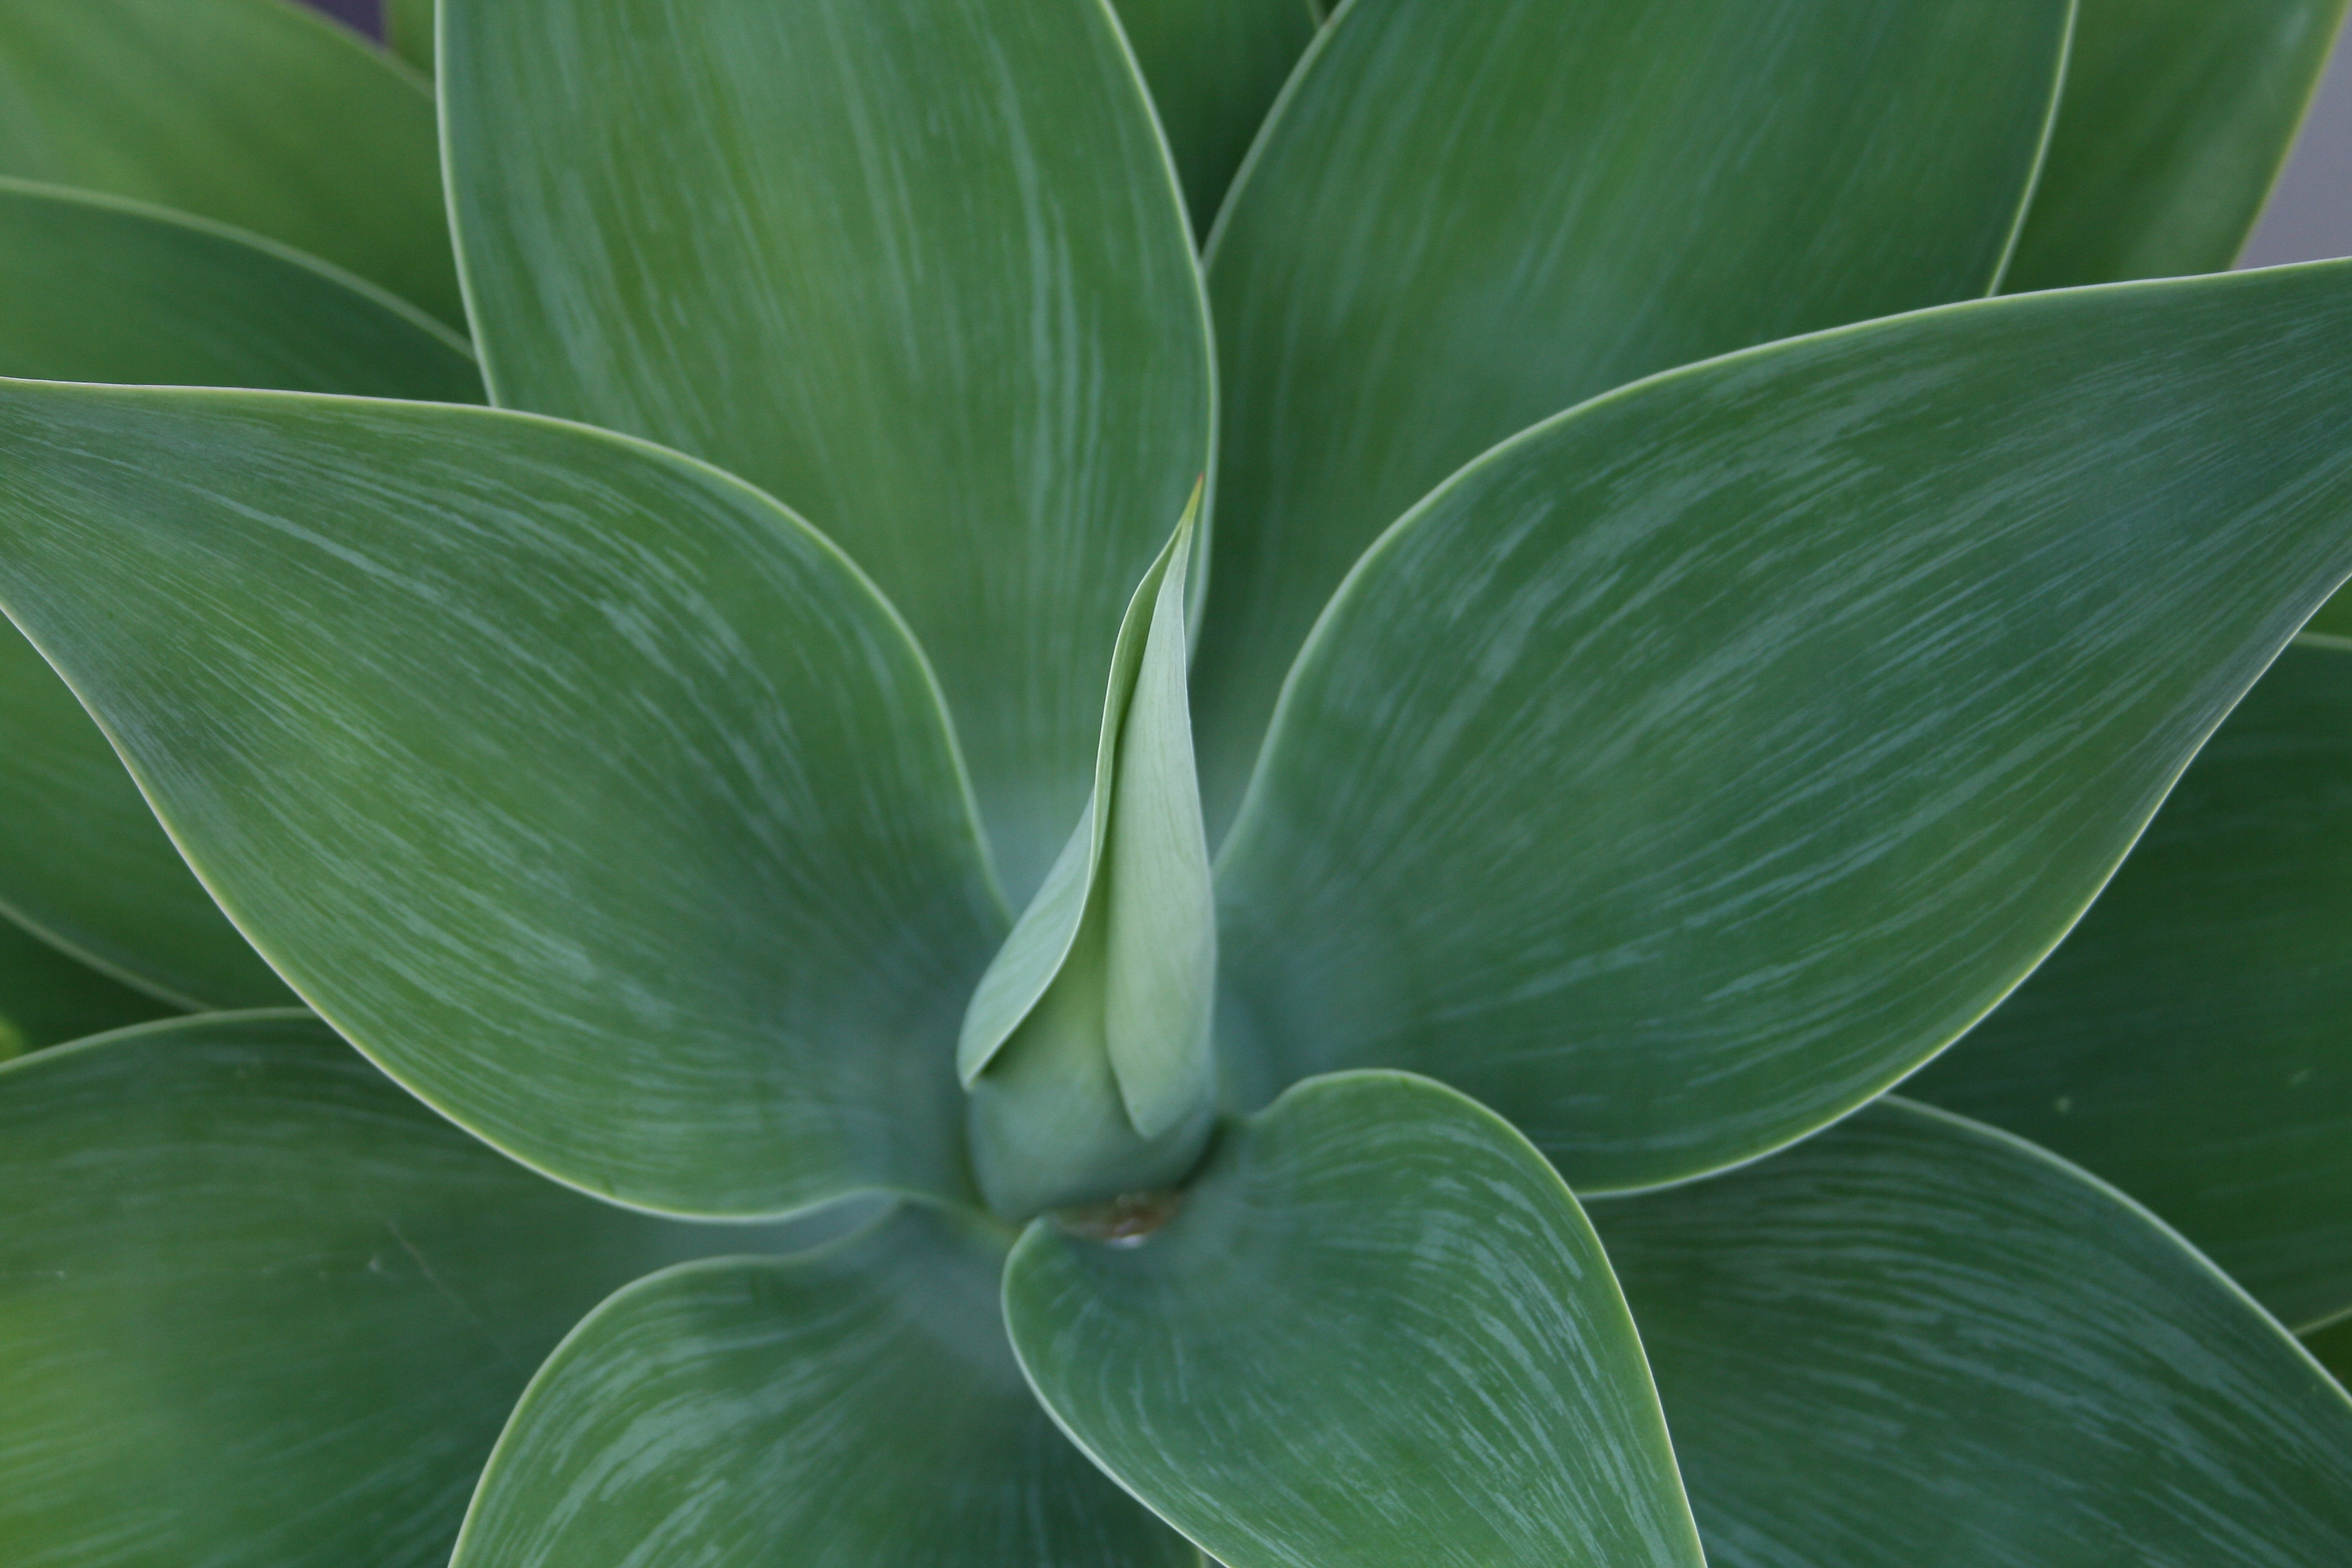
855, 1405
1690, 769
96, 288
1464, 218
919, 269
2176, 118
47, 998
588, 791
2192, 1040
1215, 67
1086, 1045
1914, 1340
1377, 1333
260, 113
262, 1307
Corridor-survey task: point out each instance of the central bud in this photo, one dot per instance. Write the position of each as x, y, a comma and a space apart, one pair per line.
1087, 1045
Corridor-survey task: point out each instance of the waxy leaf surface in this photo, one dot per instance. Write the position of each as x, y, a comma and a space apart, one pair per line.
920, 270
1916, 1340
2189, 1040
1464, 218
260, 113
1215, 67
852, 1407
47, 998
1087, 1044
261, 1306
1377, 1333
589, 792
96, 288
1686, 771
2176, 118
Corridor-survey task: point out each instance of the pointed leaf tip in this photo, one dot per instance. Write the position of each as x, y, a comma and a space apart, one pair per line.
680, 906
1111, 971
1953, 597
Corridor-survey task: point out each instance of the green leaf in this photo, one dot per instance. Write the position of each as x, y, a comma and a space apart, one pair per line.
589, 793
2187, 1041
1464, 218
855, 1405
260, 113
47, 998
921, 270
1086, 1045
1916, 1340
2332, 1347
262, 1307
129, 293
408, 29
2176, 118
1376, 1331
1688, 770
1215, 67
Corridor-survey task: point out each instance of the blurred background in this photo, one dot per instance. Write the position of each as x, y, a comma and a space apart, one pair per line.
2310, 211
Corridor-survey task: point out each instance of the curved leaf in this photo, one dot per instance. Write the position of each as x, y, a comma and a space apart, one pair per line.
2176, 118
1376, 1331
1464, 218
2187, 1041
1215, 67
47, 998
259, 113
858, 1404
104, 289
1688, 770
262, 1307
1916, 1339
100, 288
919, 269
588, 791
1086, 1045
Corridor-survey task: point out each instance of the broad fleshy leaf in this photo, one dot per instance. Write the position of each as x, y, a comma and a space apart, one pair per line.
260, 113
2187, 1041
261, 1306
1215, 67
1086, 1045
1916, 1339
1464, 218
1377, 1332
855, 1405
921, 270
100, 289
97, 288
408, 30
2176, 118
1690, 769
589, 793
47, 998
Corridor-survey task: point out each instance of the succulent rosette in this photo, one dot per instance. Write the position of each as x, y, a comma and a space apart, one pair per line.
960, 783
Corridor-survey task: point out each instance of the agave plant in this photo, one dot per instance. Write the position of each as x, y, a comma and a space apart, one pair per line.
798, 842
